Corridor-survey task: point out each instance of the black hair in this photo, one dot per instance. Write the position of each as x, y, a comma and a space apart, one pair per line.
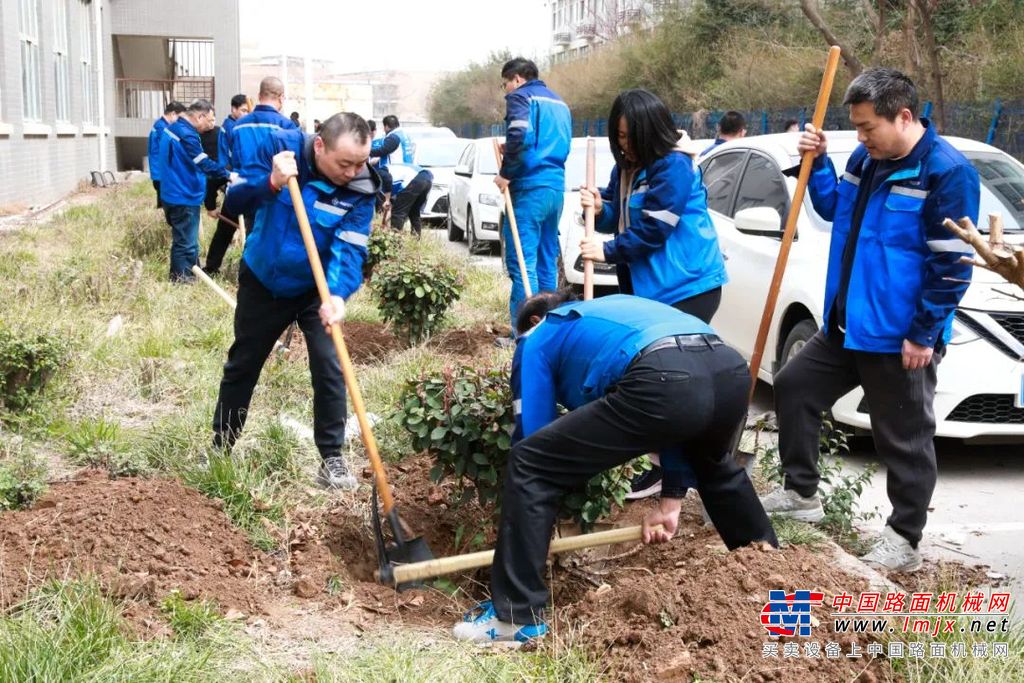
344, 123
520, 66
239, 100
890, 90
538, 305
731, 123
294, 116
174, 107
200, 106
789, 123
652, 133
390, 121
372, 124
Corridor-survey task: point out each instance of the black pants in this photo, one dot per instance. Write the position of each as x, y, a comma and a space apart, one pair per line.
703, 306
902, 421
222, 237
260, 319
409, 203
693, 398
156, 186
213, 186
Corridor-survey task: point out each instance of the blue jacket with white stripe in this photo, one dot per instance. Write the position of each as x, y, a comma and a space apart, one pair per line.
224, 140
580, 350
250, 132
339, 216
669, 241
538, 133
184, 165
155, 135
907, 279
391, 143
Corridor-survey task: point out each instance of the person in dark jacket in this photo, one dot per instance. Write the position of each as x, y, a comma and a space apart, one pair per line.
636, 375
185, 167
538, 134
171, 113
275, 280
665, 246
210, 140
893, 284
410, 185
227, 220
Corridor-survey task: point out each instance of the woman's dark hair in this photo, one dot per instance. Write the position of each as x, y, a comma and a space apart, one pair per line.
652, 133
539, 305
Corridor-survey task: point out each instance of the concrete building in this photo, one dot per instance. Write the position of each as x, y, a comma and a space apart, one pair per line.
579, 26
81, 82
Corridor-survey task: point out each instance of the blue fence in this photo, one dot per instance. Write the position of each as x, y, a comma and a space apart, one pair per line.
998, 123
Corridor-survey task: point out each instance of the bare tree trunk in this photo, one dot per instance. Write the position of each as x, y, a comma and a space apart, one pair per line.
925, 8
810, 9
913, 68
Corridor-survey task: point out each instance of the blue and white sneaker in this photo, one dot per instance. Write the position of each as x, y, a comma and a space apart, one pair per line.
481, 625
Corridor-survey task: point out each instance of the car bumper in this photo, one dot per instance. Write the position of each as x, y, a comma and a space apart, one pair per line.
488, 222
435, 209
977, 396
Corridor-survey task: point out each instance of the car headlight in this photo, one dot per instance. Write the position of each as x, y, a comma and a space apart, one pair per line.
579, 218
490, 199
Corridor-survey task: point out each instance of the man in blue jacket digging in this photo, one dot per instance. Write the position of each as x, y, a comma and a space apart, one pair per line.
275, 280
894, 281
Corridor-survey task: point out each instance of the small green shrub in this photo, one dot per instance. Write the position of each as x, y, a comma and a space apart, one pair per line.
414, 294
100, 443
27, 363
383, 246
463, 417
22, 476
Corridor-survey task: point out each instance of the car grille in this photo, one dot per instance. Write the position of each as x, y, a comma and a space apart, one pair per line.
988, 409
441, 205
1012, 323
599, 268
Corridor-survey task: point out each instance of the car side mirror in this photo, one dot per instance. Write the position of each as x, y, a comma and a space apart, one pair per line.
759, 220
462, 171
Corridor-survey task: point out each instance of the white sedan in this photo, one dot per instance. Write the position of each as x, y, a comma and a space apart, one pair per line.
475, 206
439, 155
980, 391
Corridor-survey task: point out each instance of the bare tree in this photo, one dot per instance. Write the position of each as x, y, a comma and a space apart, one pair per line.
810, 9
926, 12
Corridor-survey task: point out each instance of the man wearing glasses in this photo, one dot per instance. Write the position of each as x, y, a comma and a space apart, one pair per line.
185, 167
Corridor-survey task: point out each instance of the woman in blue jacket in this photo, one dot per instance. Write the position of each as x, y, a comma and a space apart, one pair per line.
665, 245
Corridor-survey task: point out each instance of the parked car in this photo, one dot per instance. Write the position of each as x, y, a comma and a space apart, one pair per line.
475, 206
980, 391
438, 155
417, 132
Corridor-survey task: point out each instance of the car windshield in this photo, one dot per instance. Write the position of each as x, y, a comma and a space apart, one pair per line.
439, 152
576, 165
1002, 187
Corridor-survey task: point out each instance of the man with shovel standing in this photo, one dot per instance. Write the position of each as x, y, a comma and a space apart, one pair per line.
894, 281
275, 280
637, 376
538, 134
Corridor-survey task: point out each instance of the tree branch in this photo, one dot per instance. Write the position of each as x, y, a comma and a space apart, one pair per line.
810, 9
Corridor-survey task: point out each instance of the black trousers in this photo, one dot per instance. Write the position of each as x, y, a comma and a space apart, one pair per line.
692, 397
902, 421
260, 319
156, 186
703, 305
213, 186
222, 237
409, 203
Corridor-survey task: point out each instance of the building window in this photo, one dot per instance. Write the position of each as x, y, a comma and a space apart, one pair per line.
28, 36
85, 62
61, 61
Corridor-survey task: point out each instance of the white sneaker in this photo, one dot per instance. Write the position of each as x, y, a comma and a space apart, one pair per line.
892, 551
485, 627
787, 503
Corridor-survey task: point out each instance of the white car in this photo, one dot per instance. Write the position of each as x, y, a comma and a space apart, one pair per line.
418, 133
980, 391
438, 155
475, 205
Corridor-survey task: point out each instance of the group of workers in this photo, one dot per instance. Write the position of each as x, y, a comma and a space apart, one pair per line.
642, 371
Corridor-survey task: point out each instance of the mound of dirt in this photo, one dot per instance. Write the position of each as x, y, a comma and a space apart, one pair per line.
141, 537
374, 342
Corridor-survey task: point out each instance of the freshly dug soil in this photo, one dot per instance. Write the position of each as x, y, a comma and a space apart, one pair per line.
374, 342
140, 537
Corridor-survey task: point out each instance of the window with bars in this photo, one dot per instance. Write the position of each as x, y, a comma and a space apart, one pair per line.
28, 37
85, 62
61, 61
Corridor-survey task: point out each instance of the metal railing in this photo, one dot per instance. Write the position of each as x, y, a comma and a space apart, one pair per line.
145, 99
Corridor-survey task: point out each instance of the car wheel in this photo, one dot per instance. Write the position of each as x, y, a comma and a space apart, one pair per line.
472, 243
796, 340
455, 233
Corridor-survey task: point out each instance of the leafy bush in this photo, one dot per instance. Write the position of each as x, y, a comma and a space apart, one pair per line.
383, 246
414, 294
27, 362
463, 418
22, 476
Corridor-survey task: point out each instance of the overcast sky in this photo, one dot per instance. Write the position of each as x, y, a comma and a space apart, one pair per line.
362, 35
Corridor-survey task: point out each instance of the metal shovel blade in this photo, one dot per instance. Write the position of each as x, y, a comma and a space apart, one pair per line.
398, 552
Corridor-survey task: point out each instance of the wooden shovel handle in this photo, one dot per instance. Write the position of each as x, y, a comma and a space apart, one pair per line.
588, 223
820, 107
365, 431
513, 227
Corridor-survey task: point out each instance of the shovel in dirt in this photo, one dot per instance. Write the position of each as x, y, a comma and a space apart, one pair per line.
405, 547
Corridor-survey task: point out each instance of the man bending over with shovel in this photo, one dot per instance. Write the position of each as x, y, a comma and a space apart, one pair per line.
638, 376
275, 281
